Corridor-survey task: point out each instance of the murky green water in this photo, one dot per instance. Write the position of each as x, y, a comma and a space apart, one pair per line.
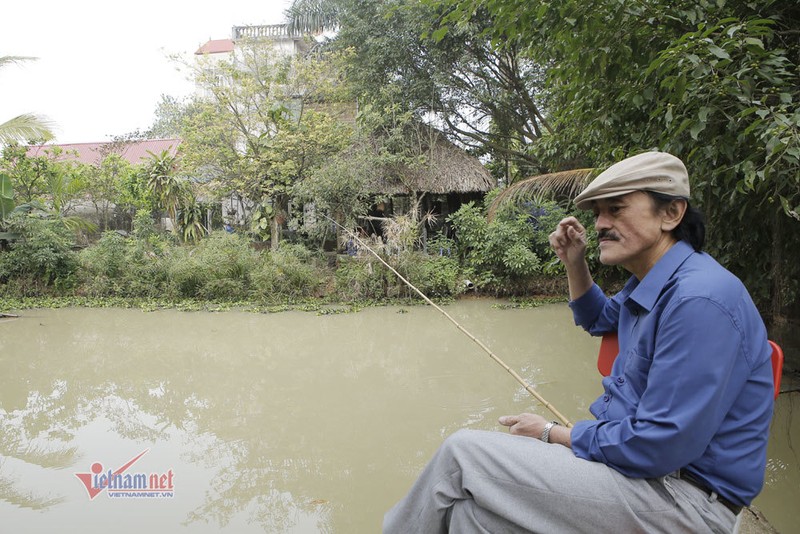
291, 422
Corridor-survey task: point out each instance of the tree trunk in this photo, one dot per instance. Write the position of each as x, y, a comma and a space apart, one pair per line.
776, 270
281, 206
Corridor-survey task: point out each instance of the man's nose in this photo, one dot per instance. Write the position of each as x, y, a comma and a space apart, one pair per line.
601, 222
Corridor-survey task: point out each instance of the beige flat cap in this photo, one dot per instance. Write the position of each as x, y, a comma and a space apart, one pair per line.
650, 171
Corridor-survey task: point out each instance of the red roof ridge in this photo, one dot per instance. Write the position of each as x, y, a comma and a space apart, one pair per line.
216, 46
133, 151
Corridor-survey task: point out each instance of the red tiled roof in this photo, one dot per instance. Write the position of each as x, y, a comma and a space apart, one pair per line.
135, 152
215, 46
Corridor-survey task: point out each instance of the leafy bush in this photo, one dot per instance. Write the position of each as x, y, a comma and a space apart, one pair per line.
126, 266
291, 271
104, 265
360, 278
108, 257
41, 260
364, 278
505, 250
218, 268
434, 276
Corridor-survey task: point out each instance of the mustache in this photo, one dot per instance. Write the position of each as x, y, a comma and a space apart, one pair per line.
607, 234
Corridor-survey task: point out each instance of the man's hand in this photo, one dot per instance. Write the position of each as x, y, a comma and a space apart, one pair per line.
532, 426
524, 424
569, 241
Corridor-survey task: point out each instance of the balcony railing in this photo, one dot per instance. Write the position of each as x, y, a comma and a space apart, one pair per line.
267, 31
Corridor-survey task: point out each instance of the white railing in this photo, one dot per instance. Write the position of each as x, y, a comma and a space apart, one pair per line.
269, 31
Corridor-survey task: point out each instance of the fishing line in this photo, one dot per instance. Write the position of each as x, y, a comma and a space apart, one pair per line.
486, 349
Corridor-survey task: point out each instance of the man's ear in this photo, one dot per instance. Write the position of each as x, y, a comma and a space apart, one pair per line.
673, 214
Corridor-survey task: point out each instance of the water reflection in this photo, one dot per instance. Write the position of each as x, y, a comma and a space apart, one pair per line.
290, 422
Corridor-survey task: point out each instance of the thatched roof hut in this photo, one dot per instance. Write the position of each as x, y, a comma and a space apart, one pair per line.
442, 168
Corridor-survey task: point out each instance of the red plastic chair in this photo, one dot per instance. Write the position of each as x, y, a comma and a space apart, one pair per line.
609, 349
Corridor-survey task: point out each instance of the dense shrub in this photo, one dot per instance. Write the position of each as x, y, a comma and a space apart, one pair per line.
364, 277
507, 255
41, 260
360, 277
291, 271
104, 265
125, 266
218, 268
502, 253
434, 275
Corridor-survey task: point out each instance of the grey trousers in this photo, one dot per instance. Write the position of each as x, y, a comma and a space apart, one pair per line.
493, 483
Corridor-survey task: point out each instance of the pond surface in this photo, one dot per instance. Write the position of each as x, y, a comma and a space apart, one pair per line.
290, 422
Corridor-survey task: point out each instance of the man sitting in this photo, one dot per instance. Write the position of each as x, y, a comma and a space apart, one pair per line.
679, 439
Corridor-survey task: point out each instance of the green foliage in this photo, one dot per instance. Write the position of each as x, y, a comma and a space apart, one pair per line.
6, 196
359, 278
483, 96
169, 113
28, 176
512, 247
716, 82
291, 271
434, 275
223, 268
41, 260
219, 267
731, 81
116, 184
109, 257
128, 267
363, 277
339, 188
191, 219
164, 182
265, 129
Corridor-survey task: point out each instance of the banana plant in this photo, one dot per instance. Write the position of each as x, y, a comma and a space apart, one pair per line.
6, 196
6, 206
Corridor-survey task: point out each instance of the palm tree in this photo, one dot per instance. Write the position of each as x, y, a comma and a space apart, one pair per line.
313, 16
190, 219
27, 126
164, 183
566, 183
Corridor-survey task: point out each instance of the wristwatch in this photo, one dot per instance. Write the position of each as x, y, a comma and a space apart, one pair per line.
546, 432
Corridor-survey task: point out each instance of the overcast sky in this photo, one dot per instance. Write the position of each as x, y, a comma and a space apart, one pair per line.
103, 65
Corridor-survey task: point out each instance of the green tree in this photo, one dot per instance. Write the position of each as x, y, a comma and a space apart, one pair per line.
488, 98
715, 82
169, 114
262, 125
28, 174
164, 182
105, 185
48, 179
732, 81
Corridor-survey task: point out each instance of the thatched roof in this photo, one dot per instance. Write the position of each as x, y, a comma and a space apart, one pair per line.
442, 168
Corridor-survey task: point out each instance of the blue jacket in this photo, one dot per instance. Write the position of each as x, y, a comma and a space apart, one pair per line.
692, 385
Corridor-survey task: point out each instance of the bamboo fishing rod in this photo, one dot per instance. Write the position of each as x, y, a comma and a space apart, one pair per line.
478, 342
